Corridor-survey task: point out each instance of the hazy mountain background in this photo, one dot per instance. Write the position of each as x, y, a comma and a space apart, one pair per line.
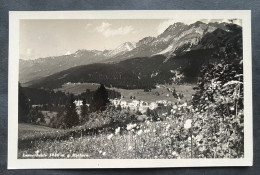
143, 64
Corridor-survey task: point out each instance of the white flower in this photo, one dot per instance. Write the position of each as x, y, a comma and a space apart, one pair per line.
184, 104
100, 152
146, 131
110, 136
104, 153
130, 126
130, 147
117, 130
187, 124
140, 132
189, 138
167, 127
174, 153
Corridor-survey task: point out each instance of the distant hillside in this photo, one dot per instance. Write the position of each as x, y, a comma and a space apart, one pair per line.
146, 72
136, 73
34, 69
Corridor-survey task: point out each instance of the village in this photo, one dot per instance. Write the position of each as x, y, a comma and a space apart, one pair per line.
135, 105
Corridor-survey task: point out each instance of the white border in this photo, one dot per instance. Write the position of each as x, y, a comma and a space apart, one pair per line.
14, 17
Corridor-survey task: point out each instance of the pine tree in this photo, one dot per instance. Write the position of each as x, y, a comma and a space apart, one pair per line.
119, 108
100, 99
148, 112
71, 116
84, 111
23, 106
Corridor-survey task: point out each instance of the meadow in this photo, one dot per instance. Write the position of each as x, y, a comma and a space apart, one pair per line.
182, 133
161, 92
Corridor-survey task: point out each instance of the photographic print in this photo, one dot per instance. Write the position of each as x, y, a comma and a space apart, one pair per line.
104, 89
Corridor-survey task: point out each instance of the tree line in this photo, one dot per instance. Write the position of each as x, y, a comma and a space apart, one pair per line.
67, 115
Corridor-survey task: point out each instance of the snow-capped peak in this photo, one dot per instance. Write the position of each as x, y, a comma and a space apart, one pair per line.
68, 53
127, 46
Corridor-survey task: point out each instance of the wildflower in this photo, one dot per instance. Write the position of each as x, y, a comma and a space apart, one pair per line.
189, 107
110, 136
187, 124
167, 127
37, 152
117, 130
140, 132
130, 126
174, 153
130, 147
146, 131
104, 153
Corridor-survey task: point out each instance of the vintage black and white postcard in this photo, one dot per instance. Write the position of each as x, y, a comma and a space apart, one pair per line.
125, 89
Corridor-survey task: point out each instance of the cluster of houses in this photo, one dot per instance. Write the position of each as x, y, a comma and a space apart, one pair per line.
134, 105
139, 105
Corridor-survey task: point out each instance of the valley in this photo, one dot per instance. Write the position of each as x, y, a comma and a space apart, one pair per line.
161, 92
175, 95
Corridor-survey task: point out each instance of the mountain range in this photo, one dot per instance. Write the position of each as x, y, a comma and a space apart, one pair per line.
177, 44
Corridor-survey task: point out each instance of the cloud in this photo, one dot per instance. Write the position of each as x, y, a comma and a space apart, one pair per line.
107, 30
103, 27
29, 51
87, 26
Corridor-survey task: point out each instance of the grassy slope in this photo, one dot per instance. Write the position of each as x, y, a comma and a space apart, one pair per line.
77, 89
185, 89
29, 130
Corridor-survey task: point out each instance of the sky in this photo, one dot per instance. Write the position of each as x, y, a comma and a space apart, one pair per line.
54, 37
